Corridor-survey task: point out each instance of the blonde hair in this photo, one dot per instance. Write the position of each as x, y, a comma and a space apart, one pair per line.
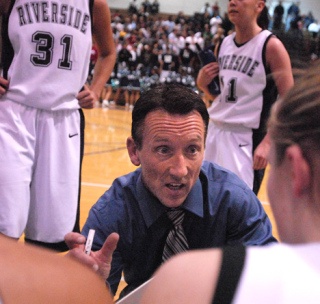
296, 118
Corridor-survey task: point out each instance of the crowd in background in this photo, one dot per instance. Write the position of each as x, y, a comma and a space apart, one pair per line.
153, 47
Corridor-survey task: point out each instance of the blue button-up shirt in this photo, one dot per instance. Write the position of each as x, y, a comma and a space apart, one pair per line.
220, 210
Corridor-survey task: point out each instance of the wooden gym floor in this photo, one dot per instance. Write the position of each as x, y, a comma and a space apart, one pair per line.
106, 158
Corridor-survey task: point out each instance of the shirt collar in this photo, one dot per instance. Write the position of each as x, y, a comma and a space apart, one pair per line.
152, 209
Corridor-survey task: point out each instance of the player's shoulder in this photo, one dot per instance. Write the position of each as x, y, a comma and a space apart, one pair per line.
99, 3
274, 43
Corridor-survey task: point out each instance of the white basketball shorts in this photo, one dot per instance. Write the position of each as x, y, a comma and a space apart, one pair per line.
231, 147
40, 171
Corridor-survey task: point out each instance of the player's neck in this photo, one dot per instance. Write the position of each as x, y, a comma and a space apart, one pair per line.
244, 34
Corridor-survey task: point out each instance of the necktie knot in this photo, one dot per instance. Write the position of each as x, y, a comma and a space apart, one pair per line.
176, 216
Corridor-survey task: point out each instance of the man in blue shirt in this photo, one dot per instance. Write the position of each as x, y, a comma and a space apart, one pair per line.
169, 125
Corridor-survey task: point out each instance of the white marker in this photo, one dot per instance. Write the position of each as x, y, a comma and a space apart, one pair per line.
89, 242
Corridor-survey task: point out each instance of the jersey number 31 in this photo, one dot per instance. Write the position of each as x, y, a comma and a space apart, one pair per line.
44, 48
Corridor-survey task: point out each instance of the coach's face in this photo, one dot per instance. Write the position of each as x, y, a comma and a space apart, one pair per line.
171, 154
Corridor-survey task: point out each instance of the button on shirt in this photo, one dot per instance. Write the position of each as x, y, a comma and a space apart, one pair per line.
220, 210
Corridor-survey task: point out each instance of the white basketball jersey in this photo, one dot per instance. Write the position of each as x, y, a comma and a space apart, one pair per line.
48, 52
280, 274
243, 80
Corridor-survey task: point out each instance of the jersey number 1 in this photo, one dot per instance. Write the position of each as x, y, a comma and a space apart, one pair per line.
232, 96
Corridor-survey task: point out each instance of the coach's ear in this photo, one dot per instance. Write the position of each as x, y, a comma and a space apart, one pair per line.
133, 151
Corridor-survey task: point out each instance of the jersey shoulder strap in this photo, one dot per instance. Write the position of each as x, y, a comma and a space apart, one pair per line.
233, 259
91, 2
91, 6
219, 47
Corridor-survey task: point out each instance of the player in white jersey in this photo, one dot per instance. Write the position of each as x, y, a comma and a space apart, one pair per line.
46, 49
253, 68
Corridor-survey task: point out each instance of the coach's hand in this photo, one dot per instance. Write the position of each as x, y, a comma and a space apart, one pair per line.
99, 260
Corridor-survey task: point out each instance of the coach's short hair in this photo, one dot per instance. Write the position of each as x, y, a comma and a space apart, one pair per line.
171, 98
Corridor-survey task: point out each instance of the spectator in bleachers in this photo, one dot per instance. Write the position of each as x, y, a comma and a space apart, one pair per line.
206, 9
294, 41
227, 25
168, 62
154, 9
278, 13
314, 28
122, 70
186, 59
146, 5
192, 40
146, 59
216, 9
173, 37
207, 36
133, 7
307, 20
292, 14
215, 22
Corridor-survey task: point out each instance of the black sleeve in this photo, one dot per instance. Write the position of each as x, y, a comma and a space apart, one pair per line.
233, 259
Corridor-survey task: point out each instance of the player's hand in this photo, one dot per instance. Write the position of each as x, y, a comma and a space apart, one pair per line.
207, 73
87, 98
260, 156
99, 260
4, 84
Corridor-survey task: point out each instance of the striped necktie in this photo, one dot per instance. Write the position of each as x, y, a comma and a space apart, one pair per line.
176, 240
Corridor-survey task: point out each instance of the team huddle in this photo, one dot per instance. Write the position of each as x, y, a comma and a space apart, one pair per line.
198, 170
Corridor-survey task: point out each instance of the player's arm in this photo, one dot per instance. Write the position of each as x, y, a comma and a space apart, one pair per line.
175, 281
102, 33
33, 275
279, 61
